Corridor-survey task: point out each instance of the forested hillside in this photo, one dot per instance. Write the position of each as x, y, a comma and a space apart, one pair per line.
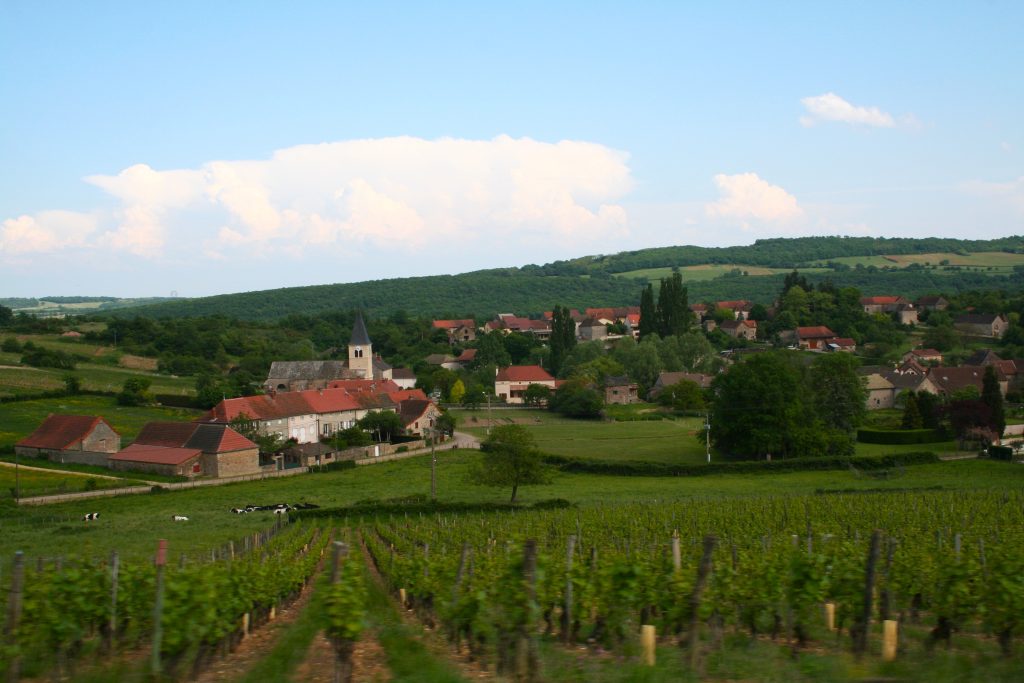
592, 281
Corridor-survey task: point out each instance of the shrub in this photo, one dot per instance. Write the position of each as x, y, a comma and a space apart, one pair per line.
894, 437
1000, 452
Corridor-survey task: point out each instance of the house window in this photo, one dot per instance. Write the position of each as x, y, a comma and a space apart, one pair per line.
197, 468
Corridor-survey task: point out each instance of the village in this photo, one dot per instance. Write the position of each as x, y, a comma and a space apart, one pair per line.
305, 405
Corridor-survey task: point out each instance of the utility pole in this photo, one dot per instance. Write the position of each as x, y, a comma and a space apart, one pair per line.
433, 464
17, 478
488, 413
707, 437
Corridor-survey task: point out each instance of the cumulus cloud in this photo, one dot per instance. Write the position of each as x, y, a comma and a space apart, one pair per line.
400, 193
47, 231
745, 196
832, 107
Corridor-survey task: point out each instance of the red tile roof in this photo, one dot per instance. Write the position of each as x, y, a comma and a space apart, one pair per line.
879, 300
454, 324
926, 353
365, 386
739, 304
815, 332
407, 395
467, 356
330, 400
61, 431
523, 373
208, 438
156, 455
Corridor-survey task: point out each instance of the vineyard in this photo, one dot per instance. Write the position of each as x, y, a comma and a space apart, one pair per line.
870, 582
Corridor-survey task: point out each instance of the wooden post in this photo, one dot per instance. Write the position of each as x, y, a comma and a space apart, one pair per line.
245, 626
647, 641
890, 630
677, 557
461, 570
115, 570
342, 648
527, 661
158, 607
830, 616
570, 547
703, 571
14, 614
401, 597
863, 623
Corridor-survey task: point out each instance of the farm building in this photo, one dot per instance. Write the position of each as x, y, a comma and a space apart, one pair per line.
189, 449
83, 439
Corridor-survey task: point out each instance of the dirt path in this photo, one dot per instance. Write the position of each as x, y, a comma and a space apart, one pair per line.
259, 642
435, 642
369, 661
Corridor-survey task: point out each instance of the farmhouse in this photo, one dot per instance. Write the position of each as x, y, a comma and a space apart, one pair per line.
620, 391
814, 338
740, 329
512, 382
189, 449
668, 379
592, 329
924, 356
418, 415
881, 392
950, 380
459, 331
981, 324
83, 439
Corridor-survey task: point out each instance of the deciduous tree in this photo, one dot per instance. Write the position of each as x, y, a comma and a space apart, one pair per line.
510, 458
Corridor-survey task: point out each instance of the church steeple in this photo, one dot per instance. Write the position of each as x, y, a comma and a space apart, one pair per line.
360, 349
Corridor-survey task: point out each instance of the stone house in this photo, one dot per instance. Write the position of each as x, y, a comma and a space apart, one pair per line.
189, 449
459, 331
621, 391
418, 416
668, 379
881, 392
740, 329
924, 356
592, 329
932, 303
739, 308
83, 439
981, 324
814, 338
512, 382
950, 380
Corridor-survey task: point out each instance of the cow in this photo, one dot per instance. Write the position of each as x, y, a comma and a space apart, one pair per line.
240, 511
179, 518
90, 516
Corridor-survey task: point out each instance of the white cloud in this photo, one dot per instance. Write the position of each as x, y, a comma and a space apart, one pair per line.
746, 196
47, 231
397, 193
832, 107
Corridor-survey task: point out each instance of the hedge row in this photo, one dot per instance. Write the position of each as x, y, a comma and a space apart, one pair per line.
657, 469
417, 504
893, 437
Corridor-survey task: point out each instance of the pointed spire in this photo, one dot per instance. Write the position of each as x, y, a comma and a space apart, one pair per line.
360, 337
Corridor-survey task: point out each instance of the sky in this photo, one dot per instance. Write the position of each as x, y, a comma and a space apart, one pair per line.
200, 148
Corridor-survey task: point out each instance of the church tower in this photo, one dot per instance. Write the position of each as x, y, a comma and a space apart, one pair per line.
360, 349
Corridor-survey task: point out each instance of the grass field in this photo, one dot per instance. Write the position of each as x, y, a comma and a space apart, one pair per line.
18, 419
1001, 262
132, 524
18, 380
705, 272
32, 482
668, 441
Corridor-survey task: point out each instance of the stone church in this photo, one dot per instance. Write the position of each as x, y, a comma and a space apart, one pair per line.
299, 375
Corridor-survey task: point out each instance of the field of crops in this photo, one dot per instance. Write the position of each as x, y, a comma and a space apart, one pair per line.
790, 587
705, 272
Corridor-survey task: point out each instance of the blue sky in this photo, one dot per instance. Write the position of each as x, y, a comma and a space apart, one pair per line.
206, 148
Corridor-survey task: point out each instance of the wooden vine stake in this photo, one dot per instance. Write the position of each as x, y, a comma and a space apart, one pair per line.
527, 659
342, 648
703, 571
570, 547
14, 614
647, 640
115, 570
158, 607
863, 623
830, 616
890, 631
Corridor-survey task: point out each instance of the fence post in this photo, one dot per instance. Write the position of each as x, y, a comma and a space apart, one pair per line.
570, 547
703, 571
863, 624
342, 648
115, 570
890, 634
677, 557
527, 661
158, 606
647, 641
14, 614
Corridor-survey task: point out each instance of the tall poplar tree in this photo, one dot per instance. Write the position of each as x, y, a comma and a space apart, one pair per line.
563, 337
992, 397
648, 312
673, 312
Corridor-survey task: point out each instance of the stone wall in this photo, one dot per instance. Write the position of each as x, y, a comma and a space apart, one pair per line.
103, 439
233, 464
81, 457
